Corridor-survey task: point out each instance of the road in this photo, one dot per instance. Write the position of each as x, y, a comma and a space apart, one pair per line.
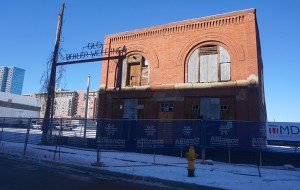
19, 175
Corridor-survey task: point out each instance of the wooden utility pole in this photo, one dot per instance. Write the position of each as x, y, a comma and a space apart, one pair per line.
51, 86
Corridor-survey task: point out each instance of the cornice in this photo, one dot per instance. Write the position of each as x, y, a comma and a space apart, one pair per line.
251, 81
233, 18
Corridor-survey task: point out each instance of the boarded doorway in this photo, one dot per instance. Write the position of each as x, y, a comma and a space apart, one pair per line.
165, 127
134, 70
210, 108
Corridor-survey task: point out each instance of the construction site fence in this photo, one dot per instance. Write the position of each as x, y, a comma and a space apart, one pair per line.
152, 140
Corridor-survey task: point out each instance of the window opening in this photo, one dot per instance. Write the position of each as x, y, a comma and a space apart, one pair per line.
166, 107
130, 109
209, 63
224, 107
195, 107
210, 108
135, 71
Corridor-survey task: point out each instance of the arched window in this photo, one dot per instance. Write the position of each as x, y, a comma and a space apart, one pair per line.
135, 71
209, 63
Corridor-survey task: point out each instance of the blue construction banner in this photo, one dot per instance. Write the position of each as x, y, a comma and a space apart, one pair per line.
166, 135
112, 134
163, 135
235, 134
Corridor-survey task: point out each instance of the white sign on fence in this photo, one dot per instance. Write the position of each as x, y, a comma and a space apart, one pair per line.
283, 131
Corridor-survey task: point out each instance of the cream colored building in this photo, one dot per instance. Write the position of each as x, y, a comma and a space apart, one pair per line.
70, 104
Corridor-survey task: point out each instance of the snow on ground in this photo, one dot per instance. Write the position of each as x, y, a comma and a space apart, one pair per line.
36, 133
229, 176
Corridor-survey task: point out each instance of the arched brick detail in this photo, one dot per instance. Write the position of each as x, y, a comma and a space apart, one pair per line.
146, 51
237, 52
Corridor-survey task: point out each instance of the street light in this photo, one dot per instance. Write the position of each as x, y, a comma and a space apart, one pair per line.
86, 105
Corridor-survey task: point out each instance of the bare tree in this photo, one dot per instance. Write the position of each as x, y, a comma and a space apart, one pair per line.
44, 81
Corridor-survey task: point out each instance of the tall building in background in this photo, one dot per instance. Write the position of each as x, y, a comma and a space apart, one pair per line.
3, 78
69, 104
11, 79
92, 104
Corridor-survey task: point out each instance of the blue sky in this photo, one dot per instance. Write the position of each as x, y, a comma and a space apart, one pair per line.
28, 31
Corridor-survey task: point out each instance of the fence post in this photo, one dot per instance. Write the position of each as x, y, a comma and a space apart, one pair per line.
229, 153
60, 138
1, 134
2, 131
58, 141
27, 136
203, 141
154, 154
181, 148
55, 147
98, 143
260, 161
260, 157
142, 145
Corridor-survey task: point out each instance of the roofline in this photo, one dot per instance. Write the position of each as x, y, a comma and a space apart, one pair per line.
206, 18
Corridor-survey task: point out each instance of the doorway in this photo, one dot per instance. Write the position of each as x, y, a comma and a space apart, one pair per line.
134, 70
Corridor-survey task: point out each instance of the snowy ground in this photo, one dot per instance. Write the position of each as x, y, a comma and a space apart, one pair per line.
228, 176
76, 132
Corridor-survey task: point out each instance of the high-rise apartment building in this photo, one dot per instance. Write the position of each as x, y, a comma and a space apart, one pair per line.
70, 104
3, 77
11, 79
92, 104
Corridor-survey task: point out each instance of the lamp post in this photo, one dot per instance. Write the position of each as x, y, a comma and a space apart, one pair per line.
86, 105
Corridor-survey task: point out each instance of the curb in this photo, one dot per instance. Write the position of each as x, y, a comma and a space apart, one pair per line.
110, 175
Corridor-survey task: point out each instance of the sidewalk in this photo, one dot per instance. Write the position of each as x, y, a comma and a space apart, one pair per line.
166, 172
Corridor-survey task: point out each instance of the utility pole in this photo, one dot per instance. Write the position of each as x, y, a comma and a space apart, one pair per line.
86, 105
51, 87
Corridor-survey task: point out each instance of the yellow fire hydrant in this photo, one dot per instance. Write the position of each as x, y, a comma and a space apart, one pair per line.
191, 156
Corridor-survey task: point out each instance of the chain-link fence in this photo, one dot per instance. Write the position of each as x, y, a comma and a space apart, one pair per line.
143, 142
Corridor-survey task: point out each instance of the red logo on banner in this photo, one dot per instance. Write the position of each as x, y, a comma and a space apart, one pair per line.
273, 129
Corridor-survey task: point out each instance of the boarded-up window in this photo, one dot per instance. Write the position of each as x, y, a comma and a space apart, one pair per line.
130, 108
142, 108
166, 107
209, 50
224, 64
124, 72
208, 68
192, 107
135, 71
134, 74
210, 108
215, 108
227, 108
193, 67
145, 73
210, 63
118, 107
205, 108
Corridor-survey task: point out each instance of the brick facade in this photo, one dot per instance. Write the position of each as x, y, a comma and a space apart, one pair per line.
158, 67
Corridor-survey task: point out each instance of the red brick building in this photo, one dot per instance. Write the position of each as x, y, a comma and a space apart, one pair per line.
208, 68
